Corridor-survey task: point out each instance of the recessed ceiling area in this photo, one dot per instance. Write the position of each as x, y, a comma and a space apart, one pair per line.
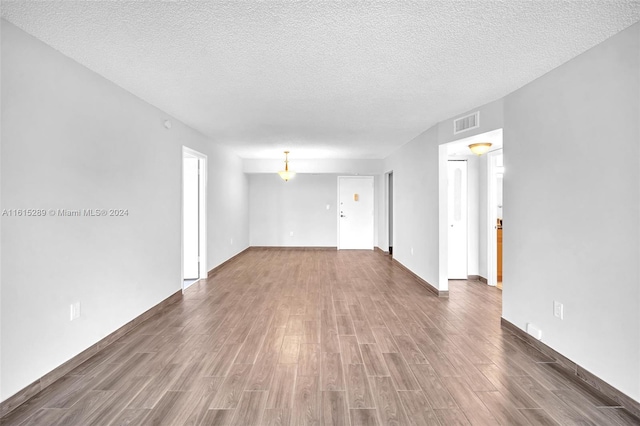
323, 79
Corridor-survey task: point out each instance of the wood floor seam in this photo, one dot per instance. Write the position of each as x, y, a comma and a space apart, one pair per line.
295, 337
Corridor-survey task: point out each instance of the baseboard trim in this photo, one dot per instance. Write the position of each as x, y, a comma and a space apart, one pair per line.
425, 284
296, 248
10, 404
576, 372
226, 262
477, 278
379, 250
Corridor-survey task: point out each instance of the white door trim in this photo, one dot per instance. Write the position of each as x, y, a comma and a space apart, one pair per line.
492, 218
387, 242
443, 243
443, 219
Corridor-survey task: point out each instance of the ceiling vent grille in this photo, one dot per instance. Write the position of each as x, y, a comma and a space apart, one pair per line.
468, 122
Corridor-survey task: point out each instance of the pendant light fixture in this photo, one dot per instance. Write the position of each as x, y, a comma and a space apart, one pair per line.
480, 148
286, 174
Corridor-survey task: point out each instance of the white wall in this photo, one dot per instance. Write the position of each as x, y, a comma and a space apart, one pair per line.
315, 165
73, 140
571, 200
473, 230
378, 187
572, 197
417, 200
482, 216
227, 205
415, 178
1, 208
382, 193
278, 208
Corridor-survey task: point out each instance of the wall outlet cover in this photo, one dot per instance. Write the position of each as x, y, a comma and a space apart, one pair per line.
74, 311
558, 309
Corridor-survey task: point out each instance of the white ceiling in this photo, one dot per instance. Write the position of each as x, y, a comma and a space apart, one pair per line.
325, 79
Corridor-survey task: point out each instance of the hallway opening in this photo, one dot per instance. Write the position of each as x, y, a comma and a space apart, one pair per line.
194, 213
473, 253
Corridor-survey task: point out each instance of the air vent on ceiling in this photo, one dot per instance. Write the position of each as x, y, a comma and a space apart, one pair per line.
468, 122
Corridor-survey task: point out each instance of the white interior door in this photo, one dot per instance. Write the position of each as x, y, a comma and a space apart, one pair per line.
457, 207
190, 222
355, 214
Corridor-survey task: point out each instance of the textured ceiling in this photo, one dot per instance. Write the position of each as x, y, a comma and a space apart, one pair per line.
323, 79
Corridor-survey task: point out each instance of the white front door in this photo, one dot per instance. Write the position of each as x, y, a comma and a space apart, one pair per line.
191, 220
355, 212
457, 206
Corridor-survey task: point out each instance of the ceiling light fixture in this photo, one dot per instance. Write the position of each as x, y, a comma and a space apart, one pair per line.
286, 174
480, 148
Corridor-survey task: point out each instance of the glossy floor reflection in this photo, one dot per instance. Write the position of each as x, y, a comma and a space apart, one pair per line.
296, 337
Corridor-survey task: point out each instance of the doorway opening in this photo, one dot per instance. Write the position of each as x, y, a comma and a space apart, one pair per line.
355, 218
484, 189
194, 203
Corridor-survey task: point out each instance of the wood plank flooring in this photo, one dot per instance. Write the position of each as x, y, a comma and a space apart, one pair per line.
317, 337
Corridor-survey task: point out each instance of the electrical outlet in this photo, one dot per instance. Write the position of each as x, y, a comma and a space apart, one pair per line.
231, 241
328, 206
291, 234
74, 311
411, 251
558, 309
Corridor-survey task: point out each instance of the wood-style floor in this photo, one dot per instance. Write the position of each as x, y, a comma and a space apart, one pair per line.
304, 337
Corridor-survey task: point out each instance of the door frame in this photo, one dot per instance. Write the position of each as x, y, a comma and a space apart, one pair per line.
444, 149
388, 211
373, 191
492, 218
202, 214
